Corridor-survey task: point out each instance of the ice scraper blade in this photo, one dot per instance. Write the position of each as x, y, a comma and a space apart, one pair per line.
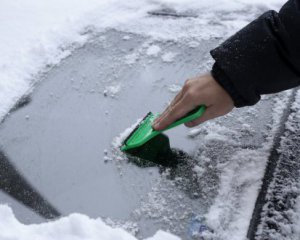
144, 131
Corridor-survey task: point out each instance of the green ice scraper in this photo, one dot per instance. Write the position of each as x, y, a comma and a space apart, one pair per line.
144, 131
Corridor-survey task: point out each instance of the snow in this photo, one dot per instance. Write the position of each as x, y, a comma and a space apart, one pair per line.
281, 214
240, 178
174, 88
37, 35
230, 211
118, 141
29, 49
153, 50
169, 57
76, 226
112, 90
296, 220
131, 58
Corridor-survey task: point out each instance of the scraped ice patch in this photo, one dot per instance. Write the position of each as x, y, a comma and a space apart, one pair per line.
169, 57
153, 50
73, 227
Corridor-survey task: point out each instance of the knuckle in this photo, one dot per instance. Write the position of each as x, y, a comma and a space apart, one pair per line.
191, 94
187, 84
187, 81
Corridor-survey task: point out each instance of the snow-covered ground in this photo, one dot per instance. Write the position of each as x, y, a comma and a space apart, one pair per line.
36, 35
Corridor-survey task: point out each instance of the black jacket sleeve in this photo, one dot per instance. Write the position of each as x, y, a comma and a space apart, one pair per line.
262, 58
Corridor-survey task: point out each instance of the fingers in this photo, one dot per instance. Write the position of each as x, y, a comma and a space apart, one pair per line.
172, 114
203, 90
177, 98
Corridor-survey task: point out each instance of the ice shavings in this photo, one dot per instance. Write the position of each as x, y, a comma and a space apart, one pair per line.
118, 141
112, 90
168, 205
168, 57
126, 37
115, 154
174, 88
153, 50
198, 170
73, 227
214, 131
131, 58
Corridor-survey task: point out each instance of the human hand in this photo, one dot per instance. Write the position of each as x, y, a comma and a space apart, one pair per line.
203, 90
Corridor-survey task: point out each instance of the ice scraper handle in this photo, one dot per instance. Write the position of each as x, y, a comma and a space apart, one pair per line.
192, 115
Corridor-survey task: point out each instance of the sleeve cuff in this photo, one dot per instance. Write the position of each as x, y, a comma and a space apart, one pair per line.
220, 76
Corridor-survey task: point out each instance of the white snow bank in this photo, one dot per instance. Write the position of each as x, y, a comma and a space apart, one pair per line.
76, 226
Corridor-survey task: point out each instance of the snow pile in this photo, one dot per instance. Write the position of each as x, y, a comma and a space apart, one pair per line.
76, 226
